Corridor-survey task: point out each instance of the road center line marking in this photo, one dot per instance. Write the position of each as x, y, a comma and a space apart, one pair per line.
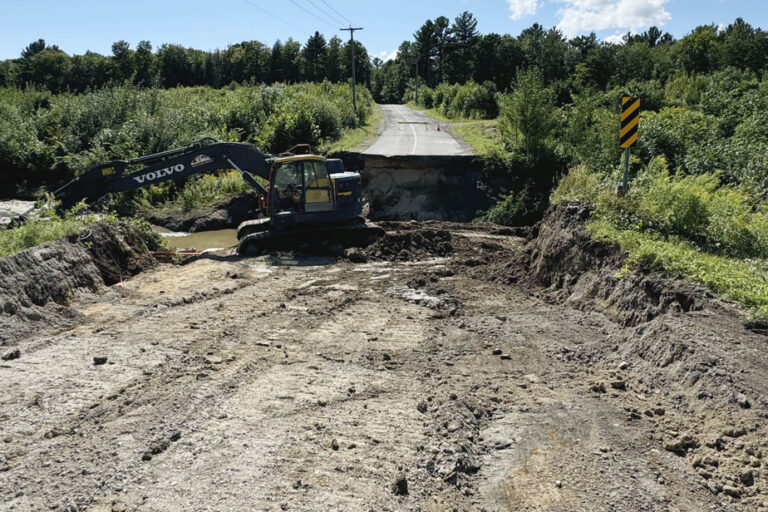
415, 137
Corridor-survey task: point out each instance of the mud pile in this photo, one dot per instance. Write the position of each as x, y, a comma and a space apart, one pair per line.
410, 245
37, 284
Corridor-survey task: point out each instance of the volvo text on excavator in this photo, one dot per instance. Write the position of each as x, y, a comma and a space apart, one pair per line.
307, 200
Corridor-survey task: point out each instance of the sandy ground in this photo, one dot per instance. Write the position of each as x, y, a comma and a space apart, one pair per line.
303, 384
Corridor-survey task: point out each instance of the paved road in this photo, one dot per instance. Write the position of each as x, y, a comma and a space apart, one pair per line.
400, 137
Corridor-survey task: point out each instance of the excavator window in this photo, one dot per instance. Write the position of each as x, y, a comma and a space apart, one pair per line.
289, 191
302, 186
318, 187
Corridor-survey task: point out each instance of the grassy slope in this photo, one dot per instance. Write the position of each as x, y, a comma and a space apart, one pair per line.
50, 227
742, 280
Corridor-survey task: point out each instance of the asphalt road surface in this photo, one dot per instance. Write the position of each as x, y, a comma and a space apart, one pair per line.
410, 132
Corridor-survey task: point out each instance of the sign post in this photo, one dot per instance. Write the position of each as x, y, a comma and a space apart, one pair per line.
630, 119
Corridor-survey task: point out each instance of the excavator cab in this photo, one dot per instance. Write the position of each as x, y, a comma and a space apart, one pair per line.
301, 185
306, 189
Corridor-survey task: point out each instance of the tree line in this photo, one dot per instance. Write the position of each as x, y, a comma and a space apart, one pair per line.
455, 52
172, 65
441, 51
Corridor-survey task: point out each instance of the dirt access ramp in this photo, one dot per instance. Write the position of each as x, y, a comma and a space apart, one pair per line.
453, 367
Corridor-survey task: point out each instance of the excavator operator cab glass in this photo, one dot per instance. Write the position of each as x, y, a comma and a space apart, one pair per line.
302, 186
288, 192
317, 186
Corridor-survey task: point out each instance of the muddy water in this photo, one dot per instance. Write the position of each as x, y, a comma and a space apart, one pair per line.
201, 241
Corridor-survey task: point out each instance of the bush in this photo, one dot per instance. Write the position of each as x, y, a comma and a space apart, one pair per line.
694, 208
528, 114
508, 212
46, 137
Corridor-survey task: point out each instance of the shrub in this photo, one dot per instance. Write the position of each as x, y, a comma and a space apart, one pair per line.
47, 137
509, 211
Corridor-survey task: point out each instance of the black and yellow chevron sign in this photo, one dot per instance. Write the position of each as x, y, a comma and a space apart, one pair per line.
630, 118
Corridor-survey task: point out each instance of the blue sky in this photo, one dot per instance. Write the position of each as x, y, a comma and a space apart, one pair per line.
80, 25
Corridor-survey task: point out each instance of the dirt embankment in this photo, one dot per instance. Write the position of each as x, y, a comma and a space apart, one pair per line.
582, 272
37, 284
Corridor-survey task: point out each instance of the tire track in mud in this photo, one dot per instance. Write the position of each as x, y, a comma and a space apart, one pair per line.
179, 384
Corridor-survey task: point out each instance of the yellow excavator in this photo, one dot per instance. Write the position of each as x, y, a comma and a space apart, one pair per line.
306, 200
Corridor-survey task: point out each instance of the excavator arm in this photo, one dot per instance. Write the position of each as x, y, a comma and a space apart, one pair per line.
205, 156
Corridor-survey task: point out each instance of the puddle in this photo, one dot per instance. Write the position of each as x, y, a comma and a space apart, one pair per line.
202, 241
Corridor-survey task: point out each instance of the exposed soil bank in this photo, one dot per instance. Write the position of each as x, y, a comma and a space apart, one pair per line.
38, 284
421, 187
581, 272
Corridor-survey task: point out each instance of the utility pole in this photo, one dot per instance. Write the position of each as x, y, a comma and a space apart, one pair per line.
354, 80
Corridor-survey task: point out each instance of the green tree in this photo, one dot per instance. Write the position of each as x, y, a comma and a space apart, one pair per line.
145, 63
33, 49
291, 61
333, 60
463, 40
174, 65
426, 45
527, 115
362, 63
314, 56
699, 51
122, 61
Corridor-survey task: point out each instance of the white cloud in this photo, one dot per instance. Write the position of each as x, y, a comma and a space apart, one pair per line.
578, 16
617, 38
521, 8
386, 55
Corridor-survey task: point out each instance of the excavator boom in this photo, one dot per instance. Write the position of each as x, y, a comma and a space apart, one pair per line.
199, 158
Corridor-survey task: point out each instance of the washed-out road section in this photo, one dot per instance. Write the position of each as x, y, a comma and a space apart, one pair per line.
283, 383
411, 132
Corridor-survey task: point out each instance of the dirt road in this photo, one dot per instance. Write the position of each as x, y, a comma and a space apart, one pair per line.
425, 383
410, 132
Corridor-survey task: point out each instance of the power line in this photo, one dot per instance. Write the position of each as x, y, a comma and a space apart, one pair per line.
337, 12
310, 12
274, 16
322, 11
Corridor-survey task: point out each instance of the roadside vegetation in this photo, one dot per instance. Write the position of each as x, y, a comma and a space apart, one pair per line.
48, 138
354, 139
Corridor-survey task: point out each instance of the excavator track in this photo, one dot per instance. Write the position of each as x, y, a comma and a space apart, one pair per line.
322, 239
249, 227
